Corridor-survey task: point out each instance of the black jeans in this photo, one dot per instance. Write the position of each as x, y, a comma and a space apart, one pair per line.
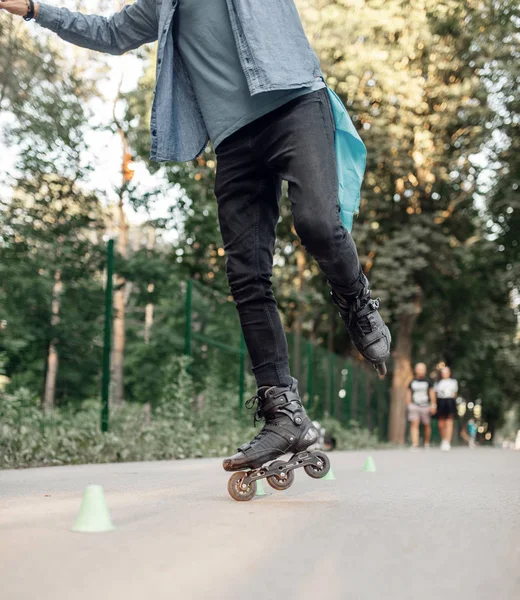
296, 143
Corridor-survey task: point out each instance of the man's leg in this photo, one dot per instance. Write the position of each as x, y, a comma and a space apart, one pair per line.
299, 146
426, 416
247, 195
427, 434
414, 432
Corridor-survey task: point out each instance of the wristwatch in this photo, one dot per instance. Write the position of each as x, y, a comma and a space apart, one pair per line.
30, 12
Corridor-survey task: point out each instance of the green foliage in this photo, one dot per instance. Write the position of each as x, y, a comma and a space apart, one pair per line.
50, 227
430, 86
352, 437
182, 425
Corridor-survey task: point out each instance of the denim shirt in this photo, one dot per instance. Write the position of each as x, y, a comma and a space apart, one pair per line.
273, 49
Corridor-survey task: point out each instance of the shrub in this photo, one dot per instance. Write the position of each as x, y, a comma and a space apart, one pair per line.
182, 425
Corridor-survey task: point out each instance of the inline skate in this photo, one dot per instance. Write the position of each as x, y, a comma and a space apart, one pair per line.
287, 429
367, 329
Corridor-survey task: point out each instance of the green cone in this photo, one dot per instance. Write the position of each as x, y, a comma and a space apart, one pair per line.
329, 476
370, 465
93, 514
260, 489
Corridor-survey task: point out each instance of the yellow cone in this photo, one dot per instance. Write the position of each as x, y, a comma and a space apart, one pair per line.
93, 516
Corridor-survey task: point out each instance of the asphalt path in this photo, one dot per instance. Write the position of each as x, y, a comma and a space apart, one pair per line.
426, 525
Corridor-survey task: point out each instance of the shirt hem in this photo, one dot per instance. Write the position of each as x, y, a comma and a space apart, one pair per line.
265, 110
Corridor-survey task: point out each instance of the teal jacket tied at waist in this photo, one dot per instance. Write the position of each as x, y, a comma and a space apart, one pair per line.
351, 158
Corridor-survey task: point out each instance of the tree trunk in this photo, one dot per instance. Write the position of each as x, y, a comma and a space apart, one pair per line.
121, 291
52, 358
148, 314
118, 353
148, 317
402, 374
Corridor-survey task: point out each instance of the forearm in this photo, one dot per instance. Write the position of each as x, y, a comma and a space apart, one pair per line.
131, 27
115, 35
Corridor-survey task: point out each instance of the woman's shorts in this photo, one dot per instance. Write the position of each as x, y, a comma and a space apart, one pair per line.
446, 407
419, 413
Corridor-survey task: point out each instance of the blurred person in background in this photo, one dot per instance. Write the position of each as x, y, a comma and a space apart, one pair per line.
226, 73
472, 433
447, 389
421, 405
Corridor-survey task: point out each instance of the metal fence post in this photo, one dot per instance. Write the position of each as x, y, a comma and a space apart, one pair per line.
187, 331
332, 384
348, 393
105, 383
242, 373
309, 375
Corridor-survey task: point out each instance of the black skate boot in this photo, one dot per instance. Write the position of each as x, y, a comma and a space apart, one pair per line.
365, 325
287, 429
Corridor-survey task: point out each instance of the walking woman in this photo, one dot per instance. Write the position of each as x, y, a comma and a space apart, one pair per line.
447, 389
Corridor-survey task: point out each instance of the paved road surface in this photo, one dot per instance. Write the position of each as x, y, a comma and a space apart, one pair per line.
427, 525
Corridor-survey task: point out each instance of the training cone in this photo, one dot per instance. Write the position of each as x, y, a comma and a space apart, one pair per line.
93, 514
260, 489
329, 476
370, 465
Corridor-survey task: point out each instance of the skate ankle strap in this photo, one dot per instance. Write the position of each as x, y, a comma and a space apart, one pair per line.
274, 403
371, 306
372, 337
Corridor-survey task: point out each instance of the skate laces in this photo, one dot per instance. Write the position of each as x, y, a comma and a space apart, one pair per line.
362, 314
254, 404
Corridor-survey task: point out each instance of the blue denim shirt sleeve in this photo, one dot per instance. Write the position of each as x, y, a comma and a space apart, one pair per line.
135, 25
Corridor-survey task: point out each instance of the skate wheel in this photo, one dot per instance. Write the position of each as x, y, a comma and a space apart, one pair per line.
236, 489
315, 471
381, 369
280, 482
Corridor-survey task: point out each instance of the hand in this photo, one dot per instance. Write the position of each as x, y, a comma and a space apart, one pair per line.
433, 409
17, 7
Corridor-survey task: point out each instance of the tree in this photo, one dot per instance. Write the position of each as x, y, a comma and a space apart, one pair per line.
50, 229
415, 77
411, 74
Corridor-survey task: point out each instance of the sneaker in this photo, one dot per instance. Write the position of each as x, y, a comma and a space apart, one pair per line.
426, 446
445, 446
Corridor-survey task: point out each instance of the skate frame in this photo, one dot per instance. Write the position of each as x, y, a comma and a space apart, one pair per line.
281, 468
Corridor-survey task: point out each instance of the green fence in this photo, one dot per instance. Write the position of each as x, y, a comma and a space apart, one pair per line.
329, 384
